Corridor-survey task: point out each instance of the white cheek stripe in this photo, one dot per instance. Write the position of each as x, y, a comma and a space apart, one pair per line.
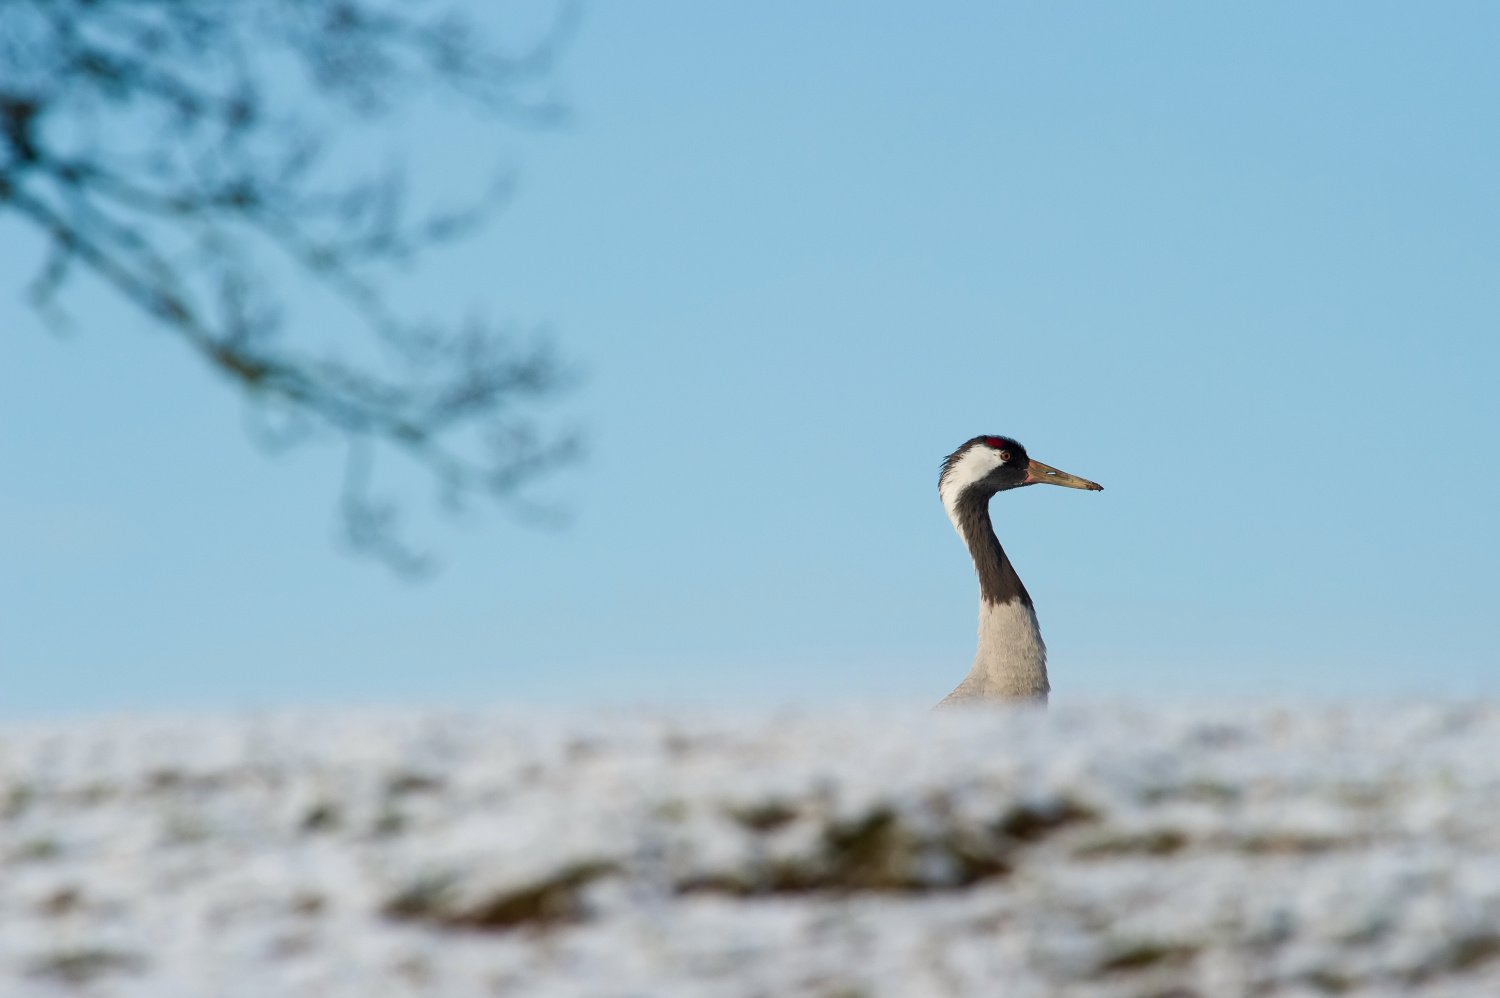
977, 462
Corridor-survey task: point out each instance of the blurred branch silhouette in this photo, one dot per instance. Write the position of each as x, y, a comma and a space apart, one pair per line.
182, 151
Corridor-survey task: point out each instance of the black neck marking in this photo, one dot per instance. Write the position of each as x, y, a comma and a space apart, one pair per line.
998, 581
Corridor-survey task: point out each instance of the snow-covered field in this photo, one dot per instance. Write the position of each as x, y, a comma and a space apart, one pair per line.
1090, 851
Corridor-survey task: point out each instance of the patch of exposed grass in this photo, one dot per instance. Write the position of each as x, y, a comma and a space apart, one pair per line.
1145, 955
61, 902
165, 780
1033, 822
554, 900
412, 783
766, 816
1157, 842
1331, 982
1290, 843
877, 851
390, 821
426, 899
18, 797
309, 904
324, 816
1463, 955
1195, 791
35, 850
1468, 953
82, 965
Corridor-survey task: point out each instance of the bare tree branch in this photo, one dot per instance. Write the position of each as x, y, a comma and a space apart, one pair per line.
180, 151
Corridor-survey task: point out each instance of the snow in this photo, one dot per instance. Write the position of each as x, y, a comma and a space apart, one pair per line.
1091, 850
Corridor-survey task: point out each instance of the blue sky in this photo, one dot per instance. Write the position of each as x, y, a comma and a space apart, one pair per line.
1237, 262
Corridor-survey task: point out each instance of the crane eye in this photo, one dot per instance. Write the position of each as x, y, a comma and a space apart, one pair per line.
1005, 455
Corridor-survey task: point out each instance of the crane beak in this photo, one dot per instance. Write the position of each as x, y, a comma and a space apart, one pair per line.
1038, 473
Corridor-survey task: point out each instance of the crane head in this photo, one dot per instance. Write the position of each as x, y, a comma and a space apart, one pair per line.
990, 464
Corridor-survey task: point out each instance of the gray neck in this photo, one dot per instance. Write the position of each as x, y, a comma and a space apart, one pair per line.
1011, 663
